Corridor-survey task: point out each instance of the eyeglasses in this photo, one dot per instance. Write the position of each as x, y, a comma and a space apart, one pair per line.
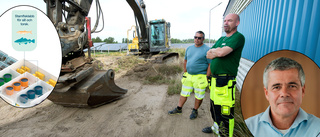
195, 37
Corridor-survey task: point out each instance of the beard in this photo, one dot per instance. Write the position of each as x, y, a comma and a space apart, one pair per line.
228, 29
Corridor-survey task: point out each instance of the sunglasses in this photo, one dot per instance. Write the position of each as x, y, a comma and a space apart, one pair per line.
195, 37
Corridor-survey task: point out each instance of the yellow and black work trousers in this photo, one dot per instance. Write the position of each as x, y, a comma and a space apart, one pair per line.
222, 100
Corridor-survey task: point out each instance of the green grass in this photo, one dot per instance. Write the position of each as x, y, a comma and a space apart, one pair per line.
240, 128
169, 73
174, 72
103, 54
122, 62
127, 62
174, 87
164, 74
169, 70
181, 51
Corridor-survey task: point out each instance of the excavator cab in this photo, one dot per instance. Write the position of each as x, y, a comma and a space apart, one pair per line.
159, 34
159, 37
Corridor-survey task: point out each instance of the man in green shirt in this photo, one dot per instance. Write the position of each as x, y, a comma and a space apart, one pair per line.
225, 55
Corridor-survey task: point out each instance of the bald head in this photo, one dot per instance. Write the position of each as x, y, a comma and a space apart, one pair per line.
234, 16
231, 22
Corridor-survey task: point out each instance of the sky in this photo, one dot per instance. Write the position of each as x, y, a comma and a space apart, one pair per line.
186, 16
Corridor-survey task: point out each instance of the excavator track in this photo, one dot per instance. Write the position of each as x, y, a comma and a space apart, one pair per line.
162, 57
165, 57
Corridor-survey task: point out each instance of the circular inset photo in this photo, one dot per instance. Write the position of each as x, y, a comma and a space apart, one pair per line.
30, 56
280, 95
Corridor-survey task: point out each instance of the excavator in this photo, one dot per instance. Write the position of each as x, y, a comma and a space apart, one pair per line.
80, 83
152, 36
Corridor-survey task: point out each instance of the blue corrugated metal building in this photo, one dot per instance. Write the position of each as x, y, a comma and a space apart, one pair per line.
271, 25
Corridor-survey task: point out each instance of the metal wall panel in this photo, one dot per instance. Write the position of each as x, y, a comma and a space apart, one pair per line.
271, 25
242, 71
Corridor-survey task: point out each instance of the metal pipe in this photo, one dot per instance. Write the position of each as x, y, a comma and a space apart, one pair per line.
210, 20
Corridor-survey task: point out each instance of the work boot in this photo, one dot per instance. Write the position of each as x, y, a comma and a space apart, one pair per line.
207, 130
213, 129
194, 114
175, 111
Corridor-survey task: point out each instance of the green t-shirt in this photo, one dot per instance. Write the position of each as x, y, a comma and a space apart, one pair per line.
228, 64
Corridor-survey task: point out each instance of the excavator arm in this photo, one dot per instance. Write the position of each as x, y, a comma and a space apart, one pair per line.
79, 84
68, 17
154, 35
142, 24
139, 9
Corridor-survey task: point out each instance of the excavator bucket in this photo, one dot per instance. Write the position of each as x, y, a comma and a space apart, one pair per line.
94, 90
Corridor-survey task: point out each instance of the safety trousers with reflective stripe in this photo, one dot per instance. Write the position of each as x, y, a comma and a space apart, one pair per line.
198, 83
222, 96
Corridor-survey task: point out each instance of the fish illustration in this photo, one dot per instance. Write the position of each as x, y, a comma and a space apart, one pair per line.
24, 32
24, 41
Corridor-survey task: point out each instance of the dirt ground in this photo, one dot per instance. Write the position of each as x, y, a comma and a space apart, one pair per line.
142, 112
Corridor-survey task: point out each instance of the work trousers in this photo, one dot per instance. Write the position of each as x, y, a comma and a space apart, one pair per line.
198, 83
222, 99
222, 120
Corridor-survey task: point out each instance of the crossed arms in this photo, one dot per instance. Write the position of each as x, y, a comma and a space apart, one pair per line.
219, 52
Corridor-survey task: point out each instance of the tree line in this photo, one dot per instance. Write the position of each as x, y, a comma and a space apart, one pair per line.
106, 40
124, 40
173, 40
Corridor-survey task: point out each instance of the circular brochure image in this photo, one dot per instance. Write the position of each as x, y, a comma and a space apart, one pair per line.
30, 56
276, 88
